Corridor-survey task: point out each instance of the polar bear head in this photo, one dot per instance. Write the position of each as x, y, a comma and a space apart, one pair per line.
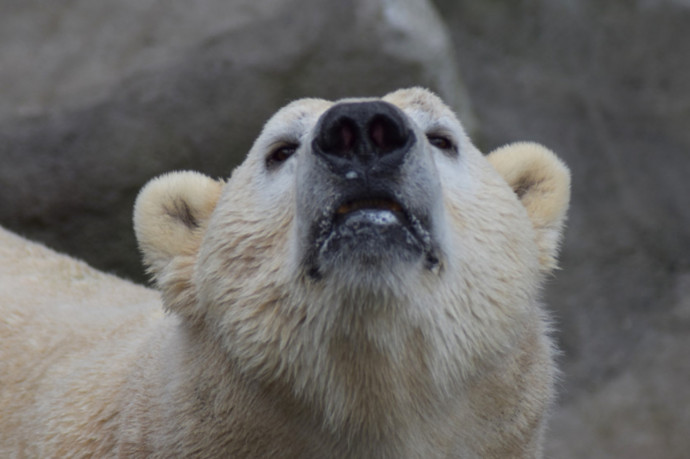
367, 221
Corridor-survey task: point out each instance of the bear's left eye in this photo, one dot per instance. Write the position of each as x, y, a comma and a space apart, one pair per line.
280, 154
442, 142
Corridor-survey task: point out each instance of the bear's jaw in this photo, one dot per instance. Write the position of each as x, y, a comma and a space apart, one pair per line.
365, 230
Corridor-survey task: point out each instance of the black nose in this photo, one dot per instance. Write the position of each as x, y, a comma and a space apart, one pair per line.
363, 135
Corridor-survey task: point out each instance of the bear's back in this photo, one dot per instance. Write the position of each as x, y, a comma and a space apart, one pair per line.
55, 311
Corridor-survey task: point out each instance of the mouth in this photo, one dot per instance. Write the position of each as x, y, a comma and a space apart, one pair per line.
371, 230
378, 211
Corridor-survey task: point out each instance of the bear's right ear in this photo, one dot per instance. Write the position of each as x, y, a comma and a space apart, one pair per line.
541, 182
170, 217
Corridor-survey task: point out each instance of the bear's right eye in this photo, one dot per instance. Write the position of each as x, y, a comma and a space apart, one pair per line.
280, 154
443, 143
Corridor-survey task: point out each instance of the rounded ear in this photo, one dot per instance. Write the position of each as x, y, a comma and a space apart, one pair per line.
170, 217
541, 182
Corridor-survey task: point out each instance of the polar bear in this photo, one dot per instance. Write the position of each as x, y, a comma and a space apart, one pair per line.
366, 284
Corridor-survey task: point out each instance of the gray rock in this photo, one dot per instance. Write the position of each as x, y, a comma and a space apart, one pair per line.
98, 97
607, 86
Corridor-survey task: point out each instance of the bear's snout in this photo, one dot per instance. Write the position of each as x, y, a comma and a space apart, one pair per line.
363, 137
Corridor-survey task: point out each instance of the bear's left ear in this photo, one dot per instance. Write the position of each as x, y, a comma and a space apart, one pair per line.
542, 183
170, 217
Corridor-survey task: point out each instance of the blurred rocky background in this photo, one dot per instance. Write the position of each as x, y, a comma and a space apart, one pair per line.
98, 96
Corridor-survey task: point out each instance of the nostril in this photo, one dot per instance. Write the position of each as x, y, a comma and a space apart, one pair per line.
378, 134
386, 134
347, 135
340, 137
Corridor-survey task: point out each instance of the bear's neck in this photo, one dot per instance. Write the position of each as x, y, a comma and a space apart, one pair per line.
360, 366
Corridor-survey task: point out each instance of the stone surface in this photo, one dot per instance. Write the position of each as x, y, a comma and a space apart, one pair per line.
607, 86
98, 97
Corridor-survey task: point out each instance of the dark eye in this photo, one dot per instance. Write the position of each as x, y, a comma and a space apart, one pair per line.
441, 142
280, 154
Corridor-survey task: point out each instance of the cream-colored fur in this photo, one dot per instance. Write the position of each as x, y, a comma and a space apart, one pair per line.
543, 185
258, 356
